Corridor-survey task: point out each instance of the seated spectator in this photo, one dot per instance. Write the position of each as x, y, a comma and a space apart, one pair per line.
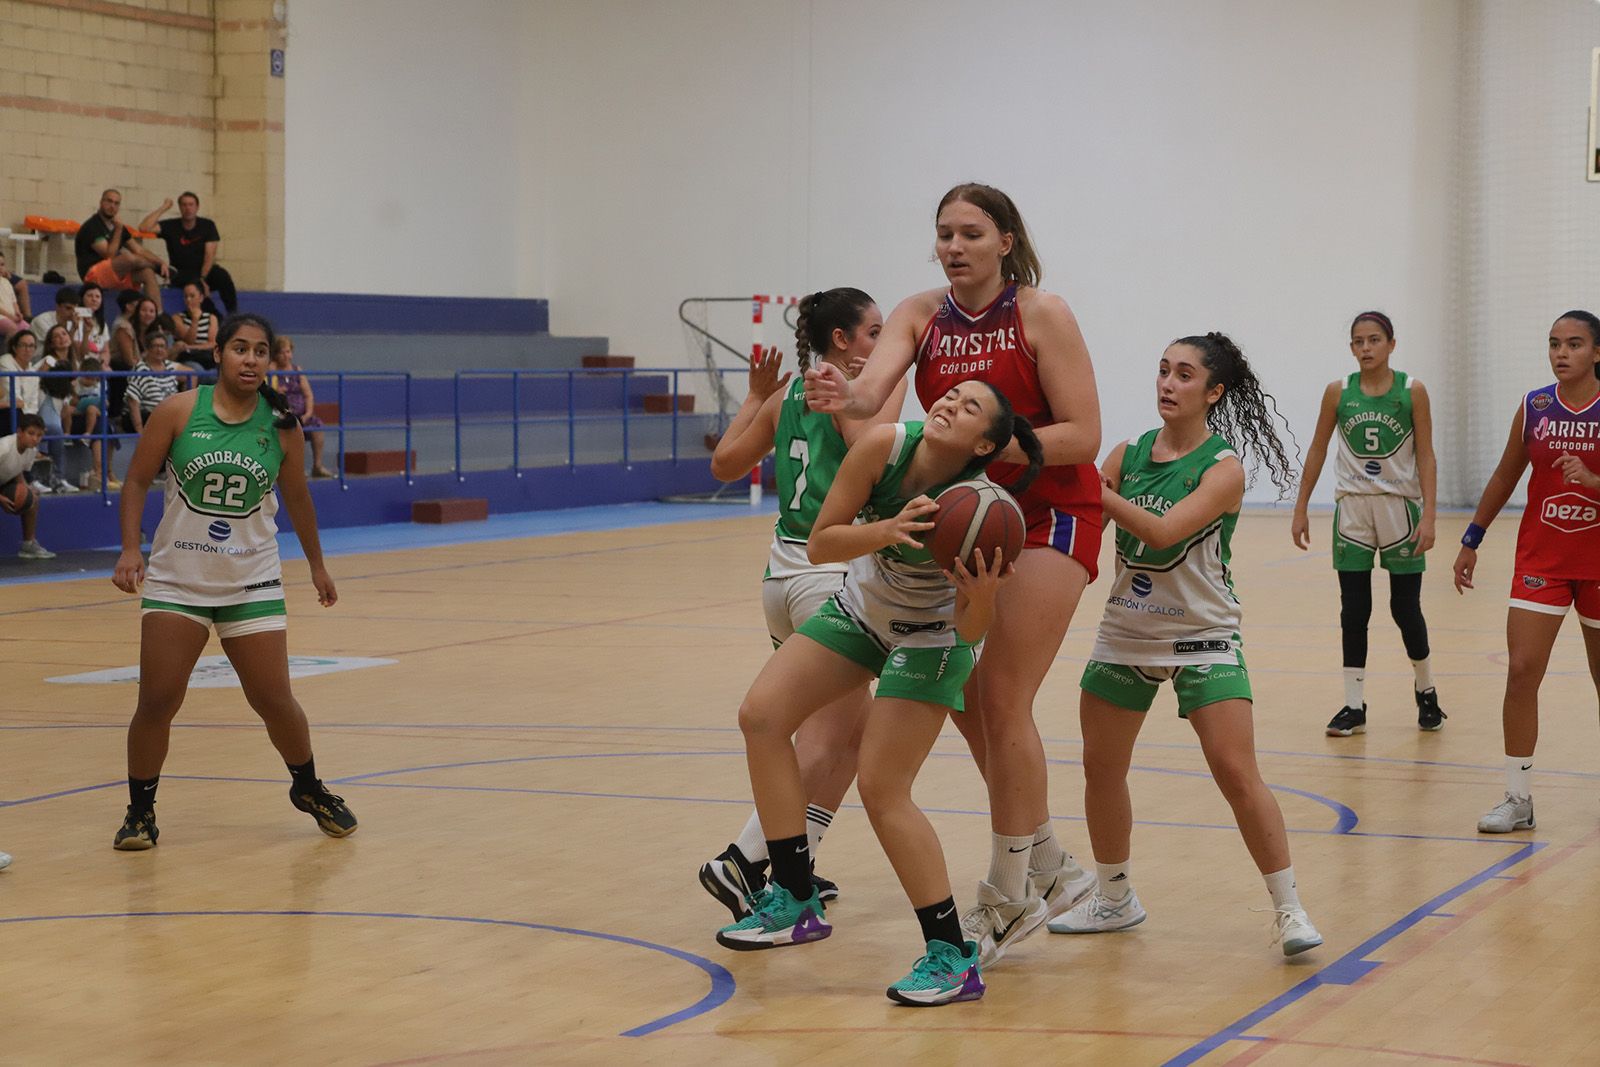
91, 308
151, 384
194, 330
12, 317
19, 286
24, 396
65, 314
18, 453
139, 315
111, 257
59, 355
192, 249
88, 398
296, 388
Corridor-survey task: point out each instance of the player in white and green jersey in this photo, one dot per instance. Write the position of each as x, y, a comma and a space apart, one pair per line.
1380, 421
838, 326
214, 562
916, 629
1175, 495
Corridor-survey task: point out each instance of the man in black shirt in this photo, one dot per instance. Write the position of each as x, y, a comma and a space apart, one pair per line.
111, 257
192, 247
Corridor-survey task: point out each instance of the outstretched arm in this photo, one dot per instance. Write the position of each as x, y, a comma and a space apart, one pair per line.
829, 389
749, 436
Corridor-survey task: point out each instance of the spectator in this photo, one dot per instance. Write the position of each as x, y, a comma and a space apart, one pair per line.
195, 328
18, 453
19, 286
111, 257
91, 308
25, 397
139, 314
192, 248
12, 318
65, 314
296, 388
59, 354
88, 399
151, 384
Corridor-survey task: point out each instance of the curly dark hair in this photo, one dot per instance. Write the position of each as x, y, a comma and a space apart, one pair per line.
1242, 416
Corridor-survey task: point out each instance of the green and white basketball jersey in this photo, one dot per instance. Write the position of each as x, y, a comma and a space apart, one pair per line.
808, 451
217, 541
1377, 441
1173, 606
899, 593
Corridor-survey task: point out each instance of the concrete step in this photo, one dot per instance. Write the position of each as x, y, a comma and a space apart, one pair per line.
453, 509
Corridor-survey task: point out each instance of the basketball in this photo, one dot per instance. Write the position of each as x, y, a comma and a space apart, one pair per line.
18, 497
975, 516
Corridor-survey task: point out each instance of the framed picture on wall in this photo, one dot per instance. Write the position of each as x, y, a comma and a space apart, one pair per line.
1594, 116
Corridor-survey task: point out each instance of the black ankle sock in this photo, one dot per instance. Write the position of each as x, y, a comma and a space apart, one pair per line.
791, 865
940, 923
305, 775
142, 793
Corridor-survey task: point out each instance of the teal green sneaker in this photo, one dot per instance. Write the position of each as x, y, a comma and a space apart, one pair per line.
776, 918
945, 975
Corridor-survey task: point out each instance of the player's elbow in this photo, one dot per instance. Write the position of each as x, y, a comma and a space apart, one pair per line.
723, 470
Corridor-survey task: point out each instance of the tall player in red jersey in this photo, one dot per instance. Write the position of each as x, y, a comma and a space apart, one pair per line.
995, 325
1557, 431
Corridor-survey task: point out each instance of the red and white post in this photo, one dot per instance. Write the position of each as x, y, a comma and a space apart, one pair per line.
758, 306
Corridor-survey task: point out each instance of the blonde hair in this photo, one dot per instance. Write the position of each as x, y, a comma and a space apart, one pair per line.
1021, 265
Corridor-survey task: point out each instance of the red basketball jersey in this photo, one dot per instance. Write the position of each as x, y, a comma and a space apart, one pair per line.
1560, 532
959, 345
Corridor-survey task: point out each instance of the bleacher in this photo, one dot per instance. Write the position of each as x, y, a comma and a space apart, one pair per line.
589, 427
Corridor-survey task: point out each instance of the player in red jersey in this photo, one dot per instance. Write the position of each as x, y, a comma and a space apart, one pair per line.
995, 325
1557, 431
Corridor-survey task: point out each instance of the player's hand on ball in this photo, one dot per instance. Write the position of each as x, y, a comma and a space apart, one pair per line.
1466, 561
827, 388
128, 575
981, 583
1574, 472
914, 520
327, 595
764, 380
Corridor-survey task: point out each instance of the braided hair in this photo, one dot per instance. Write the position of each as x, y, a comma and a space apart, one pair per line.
1588, 319
1242, 417
286, 419
820, 314
1006, 427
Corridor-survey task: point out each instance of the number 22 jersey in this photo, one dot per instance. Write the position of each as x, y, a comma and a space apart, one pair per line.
217, 541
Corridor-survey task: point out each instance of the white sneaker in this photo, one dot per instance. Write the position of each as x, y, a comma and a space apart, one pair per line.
996, 923
1097, 915
1063, 887
5, 861
1291, 927
40, 488
34, 550
62, 486
1512, 813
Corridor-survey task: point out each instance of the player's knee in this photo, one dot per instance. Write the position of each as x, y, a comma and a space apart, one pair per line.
274, 706
755, 717
881, 790
1102, 769
1237, 779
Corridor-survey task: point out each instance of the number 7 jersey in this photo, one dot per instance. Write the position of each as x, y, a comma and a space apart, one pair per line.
217, 540
808, 453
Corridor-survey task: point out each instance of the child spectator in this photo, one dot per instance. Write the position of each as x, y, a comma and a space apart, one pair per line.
87, 403
24, 396
59, 355
18, 453
151, 384
91, 308
296, 388
195, 328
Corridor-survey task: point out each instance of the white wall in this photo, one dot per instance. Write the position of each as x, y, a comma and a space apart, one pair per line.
401, 143
1262, 168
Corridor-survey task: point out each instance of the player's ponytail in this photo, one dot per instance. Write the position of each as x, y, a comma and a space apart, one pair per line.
820, 314
1242, 416
285, 419
1588, 319
1008, 426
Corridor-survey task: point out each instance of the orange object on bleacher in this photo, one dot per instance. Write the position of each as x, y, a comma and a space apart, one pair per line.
40, 224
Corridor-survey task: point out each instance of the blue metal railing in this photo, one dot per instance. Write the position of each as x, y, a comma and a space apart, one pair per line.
107, 431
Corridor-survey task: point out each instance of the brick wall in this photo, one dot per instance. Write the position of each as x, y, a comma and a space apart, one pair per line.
151, 97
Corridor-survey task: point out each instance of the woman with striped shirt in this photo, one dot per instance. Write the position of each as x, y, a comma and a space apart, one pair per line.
153, 383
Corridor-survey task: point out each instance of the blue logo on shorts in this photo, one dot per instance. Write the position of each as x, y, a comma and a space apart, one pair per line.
219, 531
1374, 468
1142, 585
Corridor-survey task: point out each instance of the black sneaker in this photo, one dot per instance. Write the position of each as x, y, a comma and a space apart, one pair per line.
827, 890
733, 880
333, 817
1348, 721
1429, 717
138, 831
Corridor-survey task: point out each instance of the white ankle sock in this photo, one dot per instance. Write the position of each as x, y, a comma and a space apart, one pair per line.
1281, 885
1114, 880
1354, 680
1519, 776
1424, 672
1008, 864
1048, 855
751, 841
818, 819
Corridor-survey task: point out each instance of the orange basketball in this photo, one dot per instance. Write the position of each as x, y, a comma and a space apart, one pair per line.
975, 516
18, 495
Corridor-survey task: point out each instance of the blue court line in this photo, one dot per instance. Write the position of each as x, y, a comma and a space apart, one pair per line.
1349, 968
722, 985
62, 793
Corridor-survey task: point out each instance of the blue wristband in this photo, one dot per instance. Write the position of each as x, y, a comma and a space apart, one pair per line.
1474, 536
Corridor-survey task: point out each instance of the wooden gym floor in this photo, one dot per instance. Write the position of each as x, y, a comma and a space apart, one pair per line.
553, 754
